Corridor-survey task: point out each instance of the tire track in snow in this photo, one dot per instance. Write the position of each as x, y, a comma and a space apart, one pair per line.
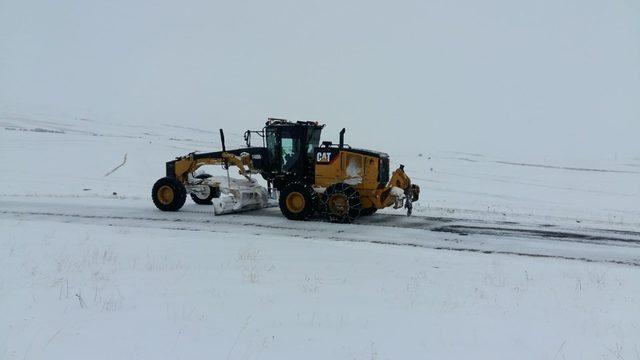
463, 230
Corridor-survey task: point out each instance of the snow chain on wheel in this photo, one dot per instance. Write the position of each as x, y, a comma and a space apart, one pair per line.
168, 194
298, 201
341, 203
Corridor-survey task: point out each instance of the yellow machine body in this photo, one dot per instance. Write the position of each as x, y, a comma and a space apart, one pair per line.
362, 171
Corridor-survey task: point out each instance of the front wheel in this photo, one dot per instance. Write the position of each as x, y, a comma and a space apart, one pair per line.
168, 194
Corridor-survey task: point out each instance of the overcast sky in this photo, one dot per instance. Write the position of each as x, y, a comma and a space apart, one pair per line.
548, 76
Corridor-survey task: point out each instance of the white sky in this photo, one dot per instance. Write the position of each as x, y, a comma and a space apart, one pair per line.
525, 77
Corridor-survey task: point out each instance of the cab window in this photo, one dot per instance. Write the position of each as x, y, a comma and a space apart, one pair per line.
313, 141
289, 152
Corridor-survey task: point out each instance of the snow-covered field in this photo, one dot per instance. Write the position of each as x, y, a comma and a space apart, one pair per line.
506, 258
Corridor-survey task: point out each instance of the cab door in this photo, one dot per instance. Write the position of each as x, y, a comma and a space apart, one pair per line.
285, 150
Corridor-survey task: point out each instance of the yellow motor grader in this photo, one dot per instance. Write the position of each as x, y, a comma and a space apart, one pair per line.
336, 181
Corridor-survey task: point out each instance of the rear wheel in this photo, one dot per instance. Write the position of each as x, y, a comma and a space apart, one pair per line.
168, 194
341, 202
298, 201
368, 211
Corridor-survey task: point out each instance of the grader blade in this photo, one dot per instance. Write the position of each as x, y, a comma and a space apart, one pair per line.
238, 195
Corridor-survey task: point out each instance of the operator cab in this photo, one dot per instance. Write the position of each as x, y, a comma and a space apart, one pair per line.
290, 149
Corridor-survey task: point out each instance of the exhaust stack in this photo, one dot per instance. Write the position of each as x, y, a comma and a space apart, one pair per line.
224, 148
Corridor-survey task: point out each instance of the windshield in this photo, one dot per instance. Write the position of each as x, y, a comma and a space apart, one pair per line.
271, 144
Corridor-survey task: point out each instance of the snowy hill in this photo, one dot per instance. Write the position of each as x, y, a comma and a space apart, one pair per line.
517, 257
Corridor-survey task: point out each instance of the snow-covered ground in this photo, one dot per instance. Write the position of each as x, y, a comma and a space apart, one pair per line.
505, 258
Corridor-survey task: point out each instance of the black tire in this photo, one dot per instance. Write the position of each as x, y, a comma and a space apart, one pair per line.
368, 211
298, 201
341, 203
214, 192
168, 194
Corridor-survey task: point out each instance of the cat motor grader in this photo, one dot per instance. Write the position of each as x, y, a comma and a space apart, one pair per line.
336, 181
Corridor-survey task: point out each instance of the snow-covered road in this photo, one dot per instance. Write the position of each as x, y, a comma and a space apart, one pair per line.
612, 245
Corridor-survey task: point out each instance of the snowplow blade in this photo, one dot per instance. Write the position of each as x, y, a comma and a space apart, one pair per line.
241, 195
